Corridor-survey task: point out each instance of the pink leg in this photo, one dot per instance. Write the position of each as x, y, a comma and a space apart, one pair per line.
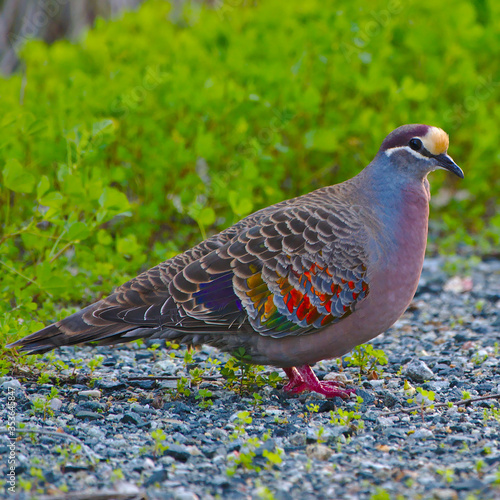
303, 378
294, 379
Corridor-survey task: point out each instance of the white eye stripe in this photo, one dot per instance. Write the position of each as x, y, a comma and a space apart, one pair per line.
416, 154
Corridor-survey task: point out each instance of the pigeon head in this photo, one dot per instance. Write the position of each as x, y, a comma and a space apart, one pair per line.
418, 150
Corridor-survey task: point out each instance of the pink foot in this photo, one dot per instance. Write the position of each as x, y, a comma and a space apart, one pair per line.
295, 380
302, 378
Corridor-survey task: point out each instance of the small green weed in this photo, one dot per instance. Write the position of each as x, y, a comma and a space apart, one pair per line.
44, 378
69, 452
243, 418
41, 404
117, 475
95, 363
380, 494
491, 413
319, 434
424, 399
367, 359
246, 458
257, 400
241, 376
183, 387
447, 474
204, 396
478, 359
159, 438
196, 375
346, 418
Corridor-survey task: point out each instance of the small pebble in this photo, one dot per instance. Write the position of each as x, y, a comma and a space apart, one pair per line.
418, 371
11, 384
422, 434
55, 404
93, 393
319, 452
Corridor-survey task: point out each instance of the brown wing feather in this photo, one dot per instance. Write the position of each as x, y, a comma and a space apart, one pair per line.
280, 242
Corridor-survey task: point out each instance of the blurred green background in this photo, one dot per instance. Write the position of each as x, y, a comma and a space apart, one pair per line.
158, 128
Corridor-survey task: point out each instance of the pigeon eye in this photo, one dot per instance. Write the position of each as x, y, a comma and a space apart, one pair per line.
415, 144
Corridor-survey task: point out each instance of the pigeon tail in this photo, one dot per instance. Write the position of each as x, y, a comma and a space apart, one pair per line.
76, 329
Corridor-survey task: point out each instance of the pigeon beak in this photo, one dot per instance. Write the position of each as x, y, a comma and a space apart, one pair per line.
445, 161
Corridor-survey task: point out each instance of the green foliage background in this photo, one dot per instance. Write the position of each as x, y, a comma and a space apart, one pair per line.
155, 129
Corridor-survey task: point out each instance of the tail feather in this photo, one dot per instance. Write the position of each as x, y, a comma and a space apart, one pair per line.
42, 341
77, 329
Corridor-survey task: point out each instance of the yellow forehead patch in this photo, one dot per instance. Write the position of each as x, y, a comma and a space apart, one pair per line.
436, 141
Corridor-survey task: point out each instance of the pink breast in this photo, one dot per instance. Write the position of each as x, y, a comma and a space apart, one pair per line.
393, 282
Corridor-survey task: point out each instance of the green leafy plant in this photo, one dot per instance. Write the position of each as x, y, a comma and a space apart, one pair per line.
263, 492
154, 350
447, 474
367, 359
188, 357
245, 458
172, 346
346, 418
117, 475
159, 438
196, 375
479, 466
204, 396
479, 359
380, 494
273, 457
183, 387
491, 413
243, 418
257, 400
214, 366
319, 433
77, 366
41, 404
272, 379
37, 473
240, 375
95, 363
44, 378
70, 453
424, 399
312, 408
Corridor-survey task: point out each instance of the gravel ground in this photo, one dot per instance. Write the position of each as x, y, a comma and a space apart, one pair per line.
142, 439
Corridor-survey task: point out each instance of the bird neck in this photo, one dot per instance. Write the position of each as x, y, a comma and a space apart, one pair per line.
399, 206
393, 190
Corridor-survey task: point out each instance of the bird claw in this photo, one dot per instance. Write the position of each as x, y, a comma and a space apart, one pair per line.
322, 388
303, 379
